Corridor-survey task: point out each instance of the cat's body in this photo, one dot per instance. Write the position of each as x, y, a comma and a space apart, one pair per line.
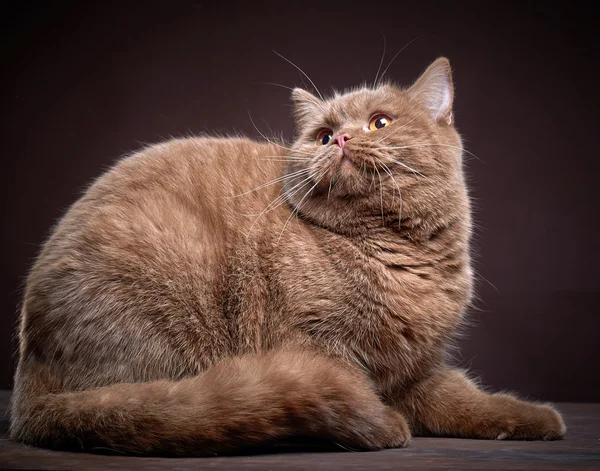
250, 317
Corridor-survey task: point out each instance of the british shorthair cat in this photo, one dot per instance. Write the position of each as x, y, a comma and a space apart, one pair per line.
210, 294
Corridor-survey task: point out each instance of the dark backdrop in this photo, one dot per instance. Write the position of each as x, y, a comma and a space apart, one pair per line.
83, 83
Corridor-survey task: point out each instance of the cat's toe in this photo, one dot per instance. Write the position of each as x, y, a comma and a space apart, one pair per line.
544, 423
390, 431
533, 422
400, 435
555, 428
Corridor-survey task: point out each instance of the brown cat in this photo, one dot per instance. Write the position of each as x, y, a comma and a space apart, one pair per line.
208, 294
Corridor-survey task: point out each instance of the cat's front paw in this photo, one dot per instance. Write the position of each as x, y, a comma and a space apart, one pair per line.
525, 421
386, 428
400, 435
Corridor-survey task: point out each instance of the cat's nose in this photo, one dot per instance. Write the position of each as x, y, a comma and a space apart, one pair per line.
341, 139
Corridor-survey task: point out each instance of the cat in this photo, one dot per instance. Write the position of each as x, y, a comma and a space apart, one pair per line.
210, 294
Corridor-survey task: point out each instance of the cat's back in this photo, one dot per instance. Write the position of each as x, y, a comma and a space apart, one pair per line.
141, 252
183, 198
191, 168
188, 189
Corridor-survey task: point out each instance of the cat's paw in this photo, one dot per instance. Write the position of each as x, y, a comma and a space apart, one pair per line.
399, 430
386, 428
526, 421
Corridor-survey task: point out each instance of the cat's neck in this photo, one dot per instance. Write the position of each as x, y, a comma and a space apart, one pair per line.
390, 234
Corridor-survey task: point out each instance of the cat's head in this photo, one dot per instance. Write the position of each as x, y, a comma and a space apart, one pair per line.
381, 155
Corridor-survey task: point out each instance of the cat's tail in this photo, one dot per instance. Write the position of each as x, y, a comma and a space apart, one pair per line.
244, 401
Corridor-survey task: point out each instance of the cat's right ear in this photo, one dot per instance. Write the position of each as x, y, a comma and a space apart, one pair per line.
434, 90
305, 104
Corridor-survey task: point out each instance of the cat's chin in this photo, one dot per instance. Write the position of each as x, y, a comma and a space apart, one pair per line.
340, 178
346, 162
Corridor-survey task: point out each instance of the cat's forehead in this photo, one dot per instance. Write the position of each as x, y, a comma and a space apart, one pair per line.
358, 103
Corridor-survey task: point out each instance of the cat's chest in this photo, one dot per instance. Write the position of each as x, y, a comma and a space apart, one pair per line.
389, 320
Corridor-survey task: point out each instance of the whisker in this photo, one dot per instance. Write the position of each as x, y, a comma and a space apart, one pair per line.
404, 125
276, 180
269, 140
380, 63
283, 159
281, 199
434, 145
380, 193
303, 73
296, 210
389, 172
399, 162
397, 54
286, 157
276, 85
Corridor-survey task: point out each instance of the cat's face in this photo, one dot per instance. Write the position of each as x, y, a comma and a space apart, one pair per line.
382, 153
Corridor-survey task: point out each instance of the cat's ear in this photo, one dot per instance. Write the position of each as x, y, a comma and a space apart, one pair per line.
434, 90
305, 104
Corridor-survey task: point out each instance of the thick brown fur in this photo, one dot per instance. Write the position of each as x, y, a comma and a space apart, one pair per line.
208, 294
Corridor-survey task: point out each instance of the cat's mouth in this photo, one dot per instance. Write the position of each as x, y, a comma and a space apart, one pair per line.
344, 172
350, 162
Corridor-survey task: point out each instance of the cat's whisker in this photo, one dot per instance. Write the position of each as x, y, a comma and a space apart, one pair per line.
402, 164
398, 128
399, 162
397, 54
293, 213
303, 73
380, 194
296, 210
278, 201
281, 158
295, 189
276, 85
286, 160
372, 181
274, 181
434, 145
329, 191
380, 64
269, 140
286, 157
389, 172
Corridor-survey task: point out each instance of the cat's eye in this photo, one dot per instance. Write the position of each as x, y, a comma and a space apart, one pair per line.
324, 137
379, 121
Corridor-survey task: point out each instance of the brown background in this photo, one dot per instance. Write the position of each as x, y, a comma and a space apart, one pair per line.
82, 84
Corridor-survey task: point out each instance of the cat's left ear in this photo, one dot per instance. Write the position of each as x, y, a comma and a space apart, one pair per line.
305, 104
434, 90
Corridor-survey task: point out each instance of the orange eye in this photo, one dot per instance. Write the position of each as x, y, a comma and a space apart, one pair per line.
324, 137
379, 121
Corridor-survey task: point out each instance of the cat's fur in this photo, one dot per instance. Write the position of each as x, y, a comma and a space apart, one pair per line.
182, 306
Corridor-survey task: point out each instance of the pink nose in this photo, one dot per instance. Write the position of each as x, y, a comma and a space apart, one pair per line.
341, 139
